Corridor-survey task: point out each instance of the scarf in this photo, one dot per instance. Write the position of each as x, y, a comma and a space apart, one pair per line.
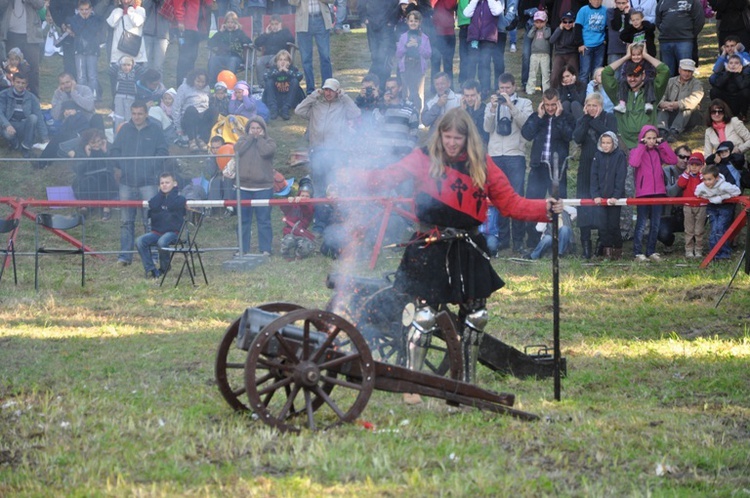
720, 129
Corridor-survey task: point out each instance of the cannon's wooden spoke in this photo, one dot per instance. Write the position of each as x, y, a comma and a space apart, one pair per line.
342, 383
339, 361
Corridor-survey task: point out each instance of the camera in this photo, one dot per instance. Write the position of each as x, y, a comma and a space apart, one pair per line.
501, 99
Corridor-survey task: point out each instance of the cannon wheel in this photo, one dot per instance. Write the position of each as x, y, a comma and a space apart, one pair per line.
309, 372
230, 361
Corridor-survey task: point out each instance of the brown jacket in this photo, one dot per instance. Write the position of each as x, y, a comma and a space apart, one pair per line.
256, 158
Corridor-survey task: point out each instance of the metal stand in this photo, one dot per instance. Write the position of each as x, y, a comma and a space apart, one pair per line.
743, 258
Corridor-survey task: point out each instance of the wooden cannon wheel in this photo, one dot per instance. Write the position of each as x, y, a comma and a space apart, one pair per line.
230, 361
327, 376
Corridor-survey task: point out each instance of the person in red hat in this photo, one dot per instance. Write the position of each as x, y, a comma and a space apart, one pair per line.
695, 216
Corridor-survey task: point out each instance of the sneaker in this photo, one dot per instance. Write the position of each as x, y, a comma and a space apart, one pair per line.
620, 107
655, 257
649, 108
123, 262
698, 254
641, 257
513, 48
689, 255
39, 146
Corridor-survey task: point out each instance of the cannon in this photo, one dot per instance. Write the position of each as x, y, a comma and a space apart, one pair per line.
306, 368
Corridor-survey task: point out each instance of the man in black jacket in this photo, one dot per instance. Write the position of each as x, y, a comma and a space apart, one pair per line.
139, 137
167, 212
380, 17
550, 130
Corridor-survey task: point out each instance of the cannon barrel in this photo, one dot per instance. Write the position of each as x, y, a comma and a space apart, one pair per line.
255, 319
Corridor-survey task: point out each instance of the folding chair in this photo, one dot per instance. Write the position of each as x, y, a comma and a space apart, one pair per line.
187, 245
9, 226
59, 222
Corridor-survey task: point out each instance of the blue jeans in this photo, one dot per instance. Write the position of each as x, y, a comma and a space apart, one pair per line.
145, 242
263, 220
545, 243
514, 168
644, 213
218, 63
591, 58
25, 131
86, 68
127, 217
316, 30
493, 244
513, 36
720, 217
672, 52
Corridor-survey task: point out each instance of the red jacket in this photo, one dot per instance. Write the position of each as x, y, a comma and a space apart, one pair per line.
188, 13
688, 182
444, 16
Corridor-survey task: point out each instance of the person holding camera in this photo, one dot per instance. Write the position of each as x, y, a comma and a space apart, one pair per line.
397, 120
368, 100
504, 117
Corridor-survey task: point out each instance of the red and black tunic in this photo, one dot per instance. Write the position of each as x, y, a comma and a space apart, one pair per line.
454, 270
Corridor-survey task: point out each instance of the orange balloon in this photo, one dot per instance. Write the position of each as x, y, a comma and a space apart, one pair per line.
223, 161
228, 78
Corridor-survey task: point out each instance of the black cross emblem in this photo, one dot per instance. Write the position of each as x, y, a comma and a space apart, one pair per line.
459, 187
479, 196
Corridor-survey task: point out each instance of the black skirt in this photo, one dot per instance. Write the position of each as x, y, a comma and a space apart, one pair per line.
448, 271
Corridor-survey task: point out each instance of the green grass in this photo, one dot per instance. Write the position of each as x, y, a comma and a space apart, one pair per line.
109, 390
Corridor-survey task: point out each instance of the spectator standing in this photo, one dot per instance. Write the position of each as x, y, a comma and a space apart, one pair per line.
413, 53
680, 107
504, 117
139, 137
594, 123
155, 34
128, 16
21, 116
540, 52
471, 102
550, 130
21, 28
608, 173
648, 7
443, 101
126, 78
672, 220
730, 20
716, 189
61, 12
679, 23
380, 17
591, 25
166, 210
313, 22
695, 216
566, 48
444, 46
85, 27
617, 19
482, 37
647, 159
193, 19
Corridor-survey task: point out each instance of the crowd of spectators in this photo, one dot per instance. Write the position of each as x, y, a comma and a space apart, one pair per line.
619, 77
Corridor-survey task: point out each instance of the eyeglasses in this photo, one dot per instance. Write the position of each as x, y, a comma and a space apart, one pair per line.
683, 157
567, 22
717, 111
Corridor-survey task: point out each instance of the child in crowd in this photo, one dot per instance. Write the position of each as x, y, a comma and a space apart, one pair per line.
647, 159
275, 39
125, 89
298, 242
86, 27
639, 31
731, 84
572, 92
167, 213
540, 49
218, 102
608, 172
732, 46
491, 230
149, 88
595, 86
591, 24
715, 188
636, 65
243, 104
163, 114
227, 47
695, 216
564, 234
282, 92
413, 52
15, 63
566, 48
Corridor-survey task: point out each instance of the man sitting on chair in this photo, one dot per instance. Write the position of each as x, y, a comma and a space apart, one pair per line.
167, 213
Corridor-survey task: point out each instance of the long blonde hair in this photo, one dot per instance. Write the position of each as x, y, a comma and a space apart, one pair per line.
459, 121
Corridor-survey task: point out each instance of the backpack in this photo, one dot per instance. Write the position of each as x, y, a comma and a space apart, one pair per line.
509, 20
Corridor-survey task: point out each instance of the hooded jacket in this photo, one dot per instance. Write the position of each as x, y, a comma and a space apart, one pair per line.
188, 95
328, 120
256, 158
167, 211
649, 176
721, 190
608, 170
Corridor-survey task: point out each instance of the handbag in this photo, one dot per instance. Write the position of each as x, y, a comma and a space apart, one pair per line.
129, 43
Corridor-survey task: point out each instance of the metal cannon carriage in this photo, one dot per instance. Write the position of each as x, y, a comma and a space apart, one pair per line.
296, 367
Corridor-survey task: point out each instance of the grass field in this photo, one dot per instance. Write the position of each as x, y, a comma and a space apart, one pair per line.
109, 390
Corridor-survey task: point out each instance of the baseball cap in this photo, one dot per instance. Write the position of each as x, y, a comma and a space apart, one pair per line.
540, 15
633, 68
220, 84
726, 145
687, 64
332, 84
568, 15
696, 158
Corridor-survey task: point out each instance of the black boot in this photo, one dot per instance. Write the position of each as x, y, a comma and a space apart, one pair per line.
586, 248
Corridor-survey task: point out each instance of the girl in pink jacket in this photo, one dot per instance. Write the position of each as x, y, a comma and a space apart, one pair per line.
647, 159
